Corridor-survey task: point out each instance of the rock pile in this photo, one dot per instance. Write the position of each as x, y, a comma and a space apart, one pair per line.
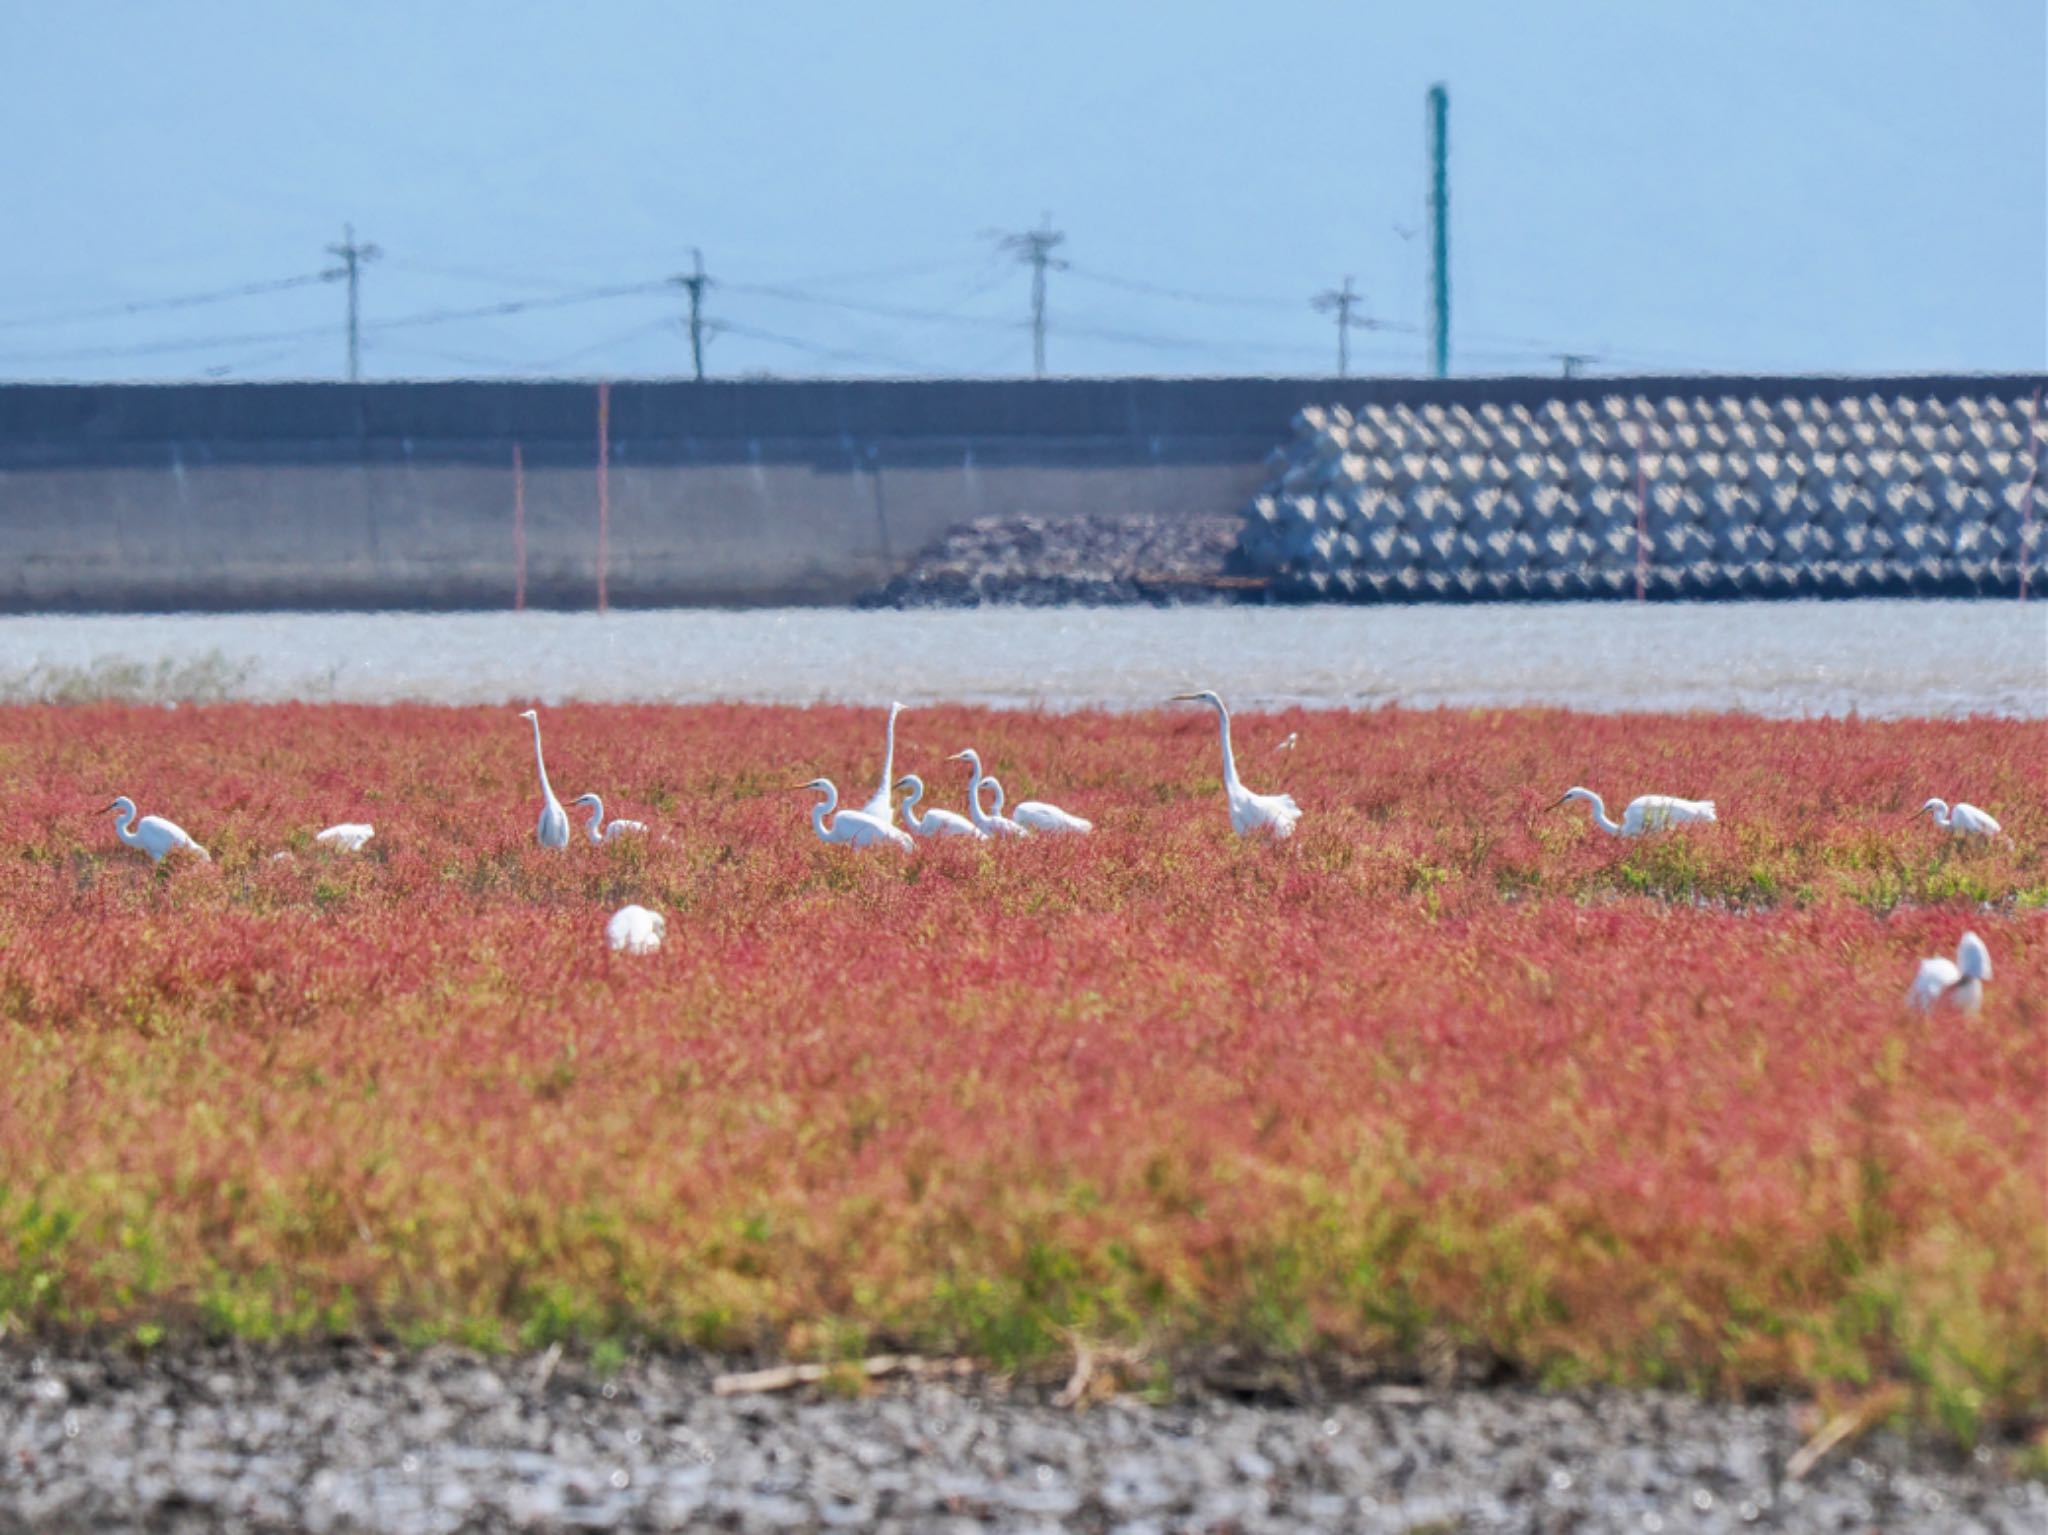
1043, 562
1701, 496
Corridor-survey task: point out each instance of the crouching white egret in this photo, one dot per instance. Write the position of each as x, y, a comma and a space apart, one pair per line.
998, 824
933, 823
554, 821
1037, 815
880, 807
635, 930
1249, 812
1959, 981
855, 828
1961, 820
153, 834
349, 836
1646, 812
599, 832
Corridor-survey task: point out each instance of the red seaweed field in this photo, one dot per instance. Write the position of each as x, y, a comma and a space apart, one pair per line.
1449, 1076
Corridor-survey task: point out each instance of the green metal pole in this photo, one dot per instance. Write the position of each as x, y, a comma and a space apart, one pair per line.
1439, 230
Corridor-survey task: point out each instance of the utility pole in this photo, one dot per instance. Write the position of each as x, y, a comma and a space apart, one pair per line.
1573, 361
353, 259
696, 282
1340, 302
1036, 246
1439, 230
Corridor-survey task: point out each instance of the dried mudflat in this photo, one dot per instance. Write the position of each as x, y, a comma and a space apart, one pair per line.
353, 1439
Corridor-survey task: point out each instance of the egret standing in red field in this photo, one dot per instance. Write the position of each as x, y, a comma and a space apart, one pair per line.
349, 836
601, 833
1037, 815
1959, 981
1249, 812
933, 823
153, 834
1963, 820
554, 821
998, 824
855, 828
880, 807
1646, 812
635, 930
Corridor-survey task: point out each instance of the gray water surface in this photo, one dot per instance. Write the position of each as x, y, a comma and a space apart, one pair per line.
1875, 657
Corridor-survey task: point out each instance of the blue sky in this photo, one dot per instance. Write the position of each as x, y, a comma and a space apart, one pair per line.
1743, 185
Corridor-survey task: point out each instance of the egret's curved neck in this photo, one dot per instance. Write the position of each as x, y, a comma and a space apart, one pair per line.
124, 826
995, 787
547, 790
596, 826
1600, 817
974, 787
824, 807
911, 796
1229, 757
1941, 813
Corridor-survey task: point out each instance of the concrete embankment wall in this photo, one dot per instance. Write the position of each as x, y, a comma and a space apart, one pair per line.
403, 495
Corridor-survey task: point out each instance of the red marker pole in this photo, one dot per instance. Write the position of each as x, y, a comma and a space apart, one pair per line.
2033, 479
518, 529
604, 489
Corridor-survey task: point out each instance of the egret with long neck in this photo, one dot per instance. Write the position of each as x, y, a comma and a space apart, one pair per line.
880, 807
997, 825
153, 834
855, 828
598, 831
1646, 812
932, 823
554, 821
1249, 812
1961, 819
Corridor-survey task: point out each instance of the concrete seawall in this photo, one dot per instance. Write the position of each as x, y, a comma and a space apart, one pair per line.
129, 498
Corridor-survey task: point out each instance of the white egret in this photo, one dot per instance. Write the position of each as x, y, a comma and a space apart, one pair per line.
349, 836
997, 825
1646, 812
599, 832
1959, 981
635, 930
153, 834
1961, 820
554, 821
1037, 815
856, 828
1288, 745
933, 823
880, 807
1249, 812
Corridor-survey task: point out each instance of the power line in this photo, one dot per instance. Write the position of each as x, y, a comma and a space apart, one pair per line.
499, 279
605, 344
514, 306
1035, 247
353, 258
831, 354
152, 348
1184, 295
858, 306
187, 301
